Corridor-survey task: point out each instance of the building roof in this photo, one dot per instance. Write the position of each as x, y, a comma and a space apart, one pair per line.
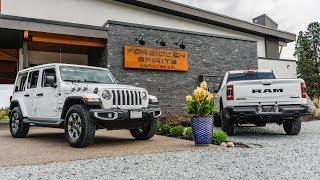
193, 13
33, 24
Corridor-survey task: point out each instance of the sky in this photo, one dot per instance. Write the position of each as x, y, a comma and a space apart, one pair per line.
5, 93
291, 15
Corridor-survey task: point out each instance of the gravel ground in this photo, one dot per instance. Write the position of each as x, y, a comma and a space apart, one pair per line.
273, 155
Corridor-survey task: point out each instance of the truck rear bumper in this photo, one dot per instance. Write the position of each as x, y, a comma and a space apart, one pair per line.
271, 112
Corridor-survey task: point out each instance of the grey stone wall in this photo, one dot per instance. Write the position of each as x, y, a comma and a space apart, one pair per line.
209, 55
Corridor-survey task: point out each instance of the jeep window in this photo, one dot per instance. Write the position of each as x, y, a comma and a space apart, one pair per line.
250, 76
33, 79
86, 75
21, 82
46, 73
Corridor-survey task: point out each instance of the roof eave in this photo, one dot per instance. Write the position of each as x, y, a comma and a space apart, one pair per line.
182, 10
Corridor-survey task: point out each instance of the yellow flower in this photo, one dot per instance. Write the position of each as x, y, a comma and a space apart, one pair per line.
210, 96
200, 93
189, 98
203, 85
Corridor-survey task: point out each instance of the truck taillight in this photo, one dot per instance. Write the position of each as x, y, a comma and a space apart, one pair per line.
303, 90
230, 92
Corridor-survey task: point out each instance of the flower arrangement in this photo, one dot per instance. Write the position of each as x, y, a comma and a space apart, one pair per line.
201, 102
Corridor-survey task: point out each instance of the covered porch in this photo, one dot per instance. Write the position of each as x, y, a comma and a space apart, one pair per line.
26, 42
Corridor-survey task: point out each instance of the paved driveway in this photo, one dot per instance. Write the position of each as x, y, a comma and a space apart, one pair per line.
274, 156
44, 145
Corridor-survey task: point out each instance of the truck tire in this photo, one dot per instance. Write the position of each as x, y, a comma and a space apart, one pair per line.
217, 120
18, 128
79, 126
145, 133
227, 124
292, 127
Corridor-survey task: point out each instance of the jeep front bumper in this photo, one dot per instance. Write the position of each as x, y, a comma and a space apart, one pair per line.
125, 114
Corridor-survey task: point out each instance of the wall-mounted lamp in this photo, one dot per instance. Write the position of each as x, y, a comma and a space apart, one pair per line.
140, 40
161, 42
180, 44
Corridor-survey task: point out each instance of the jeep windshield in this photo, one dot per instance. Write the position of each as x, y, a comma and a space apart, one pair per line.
250, 76
85, 75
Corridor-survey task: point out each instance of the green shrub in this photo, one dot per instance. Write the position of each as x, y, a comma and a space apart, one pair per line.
177, 130
188, 133
219, 137
164, 128
4, 113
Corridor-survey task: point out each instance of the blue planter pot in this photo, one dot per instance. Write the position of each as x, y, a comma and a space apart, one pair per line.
202, 130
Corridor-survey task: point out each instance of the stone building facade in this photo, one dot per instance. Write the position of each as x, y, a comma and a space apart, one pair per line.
209, 55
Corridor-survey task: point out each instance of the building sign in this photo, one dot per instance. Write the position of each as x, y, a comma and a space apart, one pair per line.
139, 57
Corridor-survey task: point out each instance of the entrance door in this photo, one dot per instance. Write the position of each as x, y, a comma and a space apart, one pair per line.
47, 99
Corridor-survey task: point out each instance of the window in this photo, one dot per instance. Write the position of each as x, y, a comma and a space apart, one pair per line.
48, 76
250, 76
21, 82
86, 75
33, 79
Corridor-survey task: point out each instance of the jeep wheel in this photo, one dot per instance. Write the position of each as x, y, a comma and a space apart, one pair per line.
18, 128
79, 126
292, 127
227, 124
146, 132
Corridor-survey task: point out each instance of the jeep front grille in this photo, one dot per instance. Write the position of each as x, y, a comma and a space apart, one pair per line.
126, 98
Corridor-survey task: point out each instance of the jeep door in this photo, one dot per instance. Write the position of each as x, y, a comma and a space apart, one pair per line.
29, 94
47, 95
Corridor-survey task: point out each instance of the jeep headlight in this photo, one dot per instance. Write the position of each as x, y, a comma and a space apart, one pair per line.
144, 95
153, 100
106, 95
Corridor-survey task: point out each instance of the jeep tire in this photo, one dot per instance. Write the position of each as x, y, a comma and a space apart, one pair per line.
292, 127
18, 128
227, 124
146, 132
79, 126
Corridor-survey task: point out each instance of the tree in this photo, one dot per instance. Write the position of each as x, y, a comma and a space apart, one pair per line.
307, 51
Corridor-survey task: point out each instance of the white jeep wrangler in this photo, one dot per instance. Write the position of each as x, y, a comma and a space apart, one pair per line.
80, 99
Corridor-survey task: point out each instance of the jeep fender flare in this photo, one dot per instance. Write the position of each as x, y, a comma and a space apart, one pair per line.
73, 100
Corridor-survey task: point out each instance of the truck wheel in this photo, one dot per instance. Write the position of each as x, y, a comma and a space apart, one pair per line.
292, 127
227, 124
146, 132
18, 128
79, 126
217, 120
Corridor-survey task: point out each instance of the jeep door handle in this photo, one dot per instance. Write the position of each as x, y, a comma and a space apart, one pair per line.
26, 95
40, 94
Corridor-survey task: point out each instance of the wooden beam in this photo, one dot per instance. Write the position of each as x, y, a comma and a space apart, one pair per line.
66, 39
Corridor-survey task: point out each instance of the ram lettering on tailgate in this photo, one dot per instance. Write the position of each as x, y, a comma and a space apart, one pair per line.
267, 90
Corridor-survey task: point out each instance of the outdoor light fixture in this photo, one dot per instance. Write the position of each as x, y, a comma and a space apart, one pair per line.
180, 44
161, 42
140, 40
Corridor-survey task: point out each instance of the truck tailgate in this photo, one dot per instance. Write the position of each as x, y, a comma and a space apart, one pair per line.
280, 91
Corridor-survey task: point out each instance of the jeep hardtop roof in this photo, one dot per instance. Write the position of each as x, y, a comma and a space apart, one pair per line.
58, 64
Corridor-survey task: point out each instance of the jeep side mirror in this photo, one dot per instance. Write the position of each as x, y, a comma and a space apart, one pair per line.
50, 81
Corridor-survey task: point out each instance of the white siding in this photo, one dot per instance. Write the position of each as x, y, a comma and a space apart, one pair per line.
97, 12
282, 68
